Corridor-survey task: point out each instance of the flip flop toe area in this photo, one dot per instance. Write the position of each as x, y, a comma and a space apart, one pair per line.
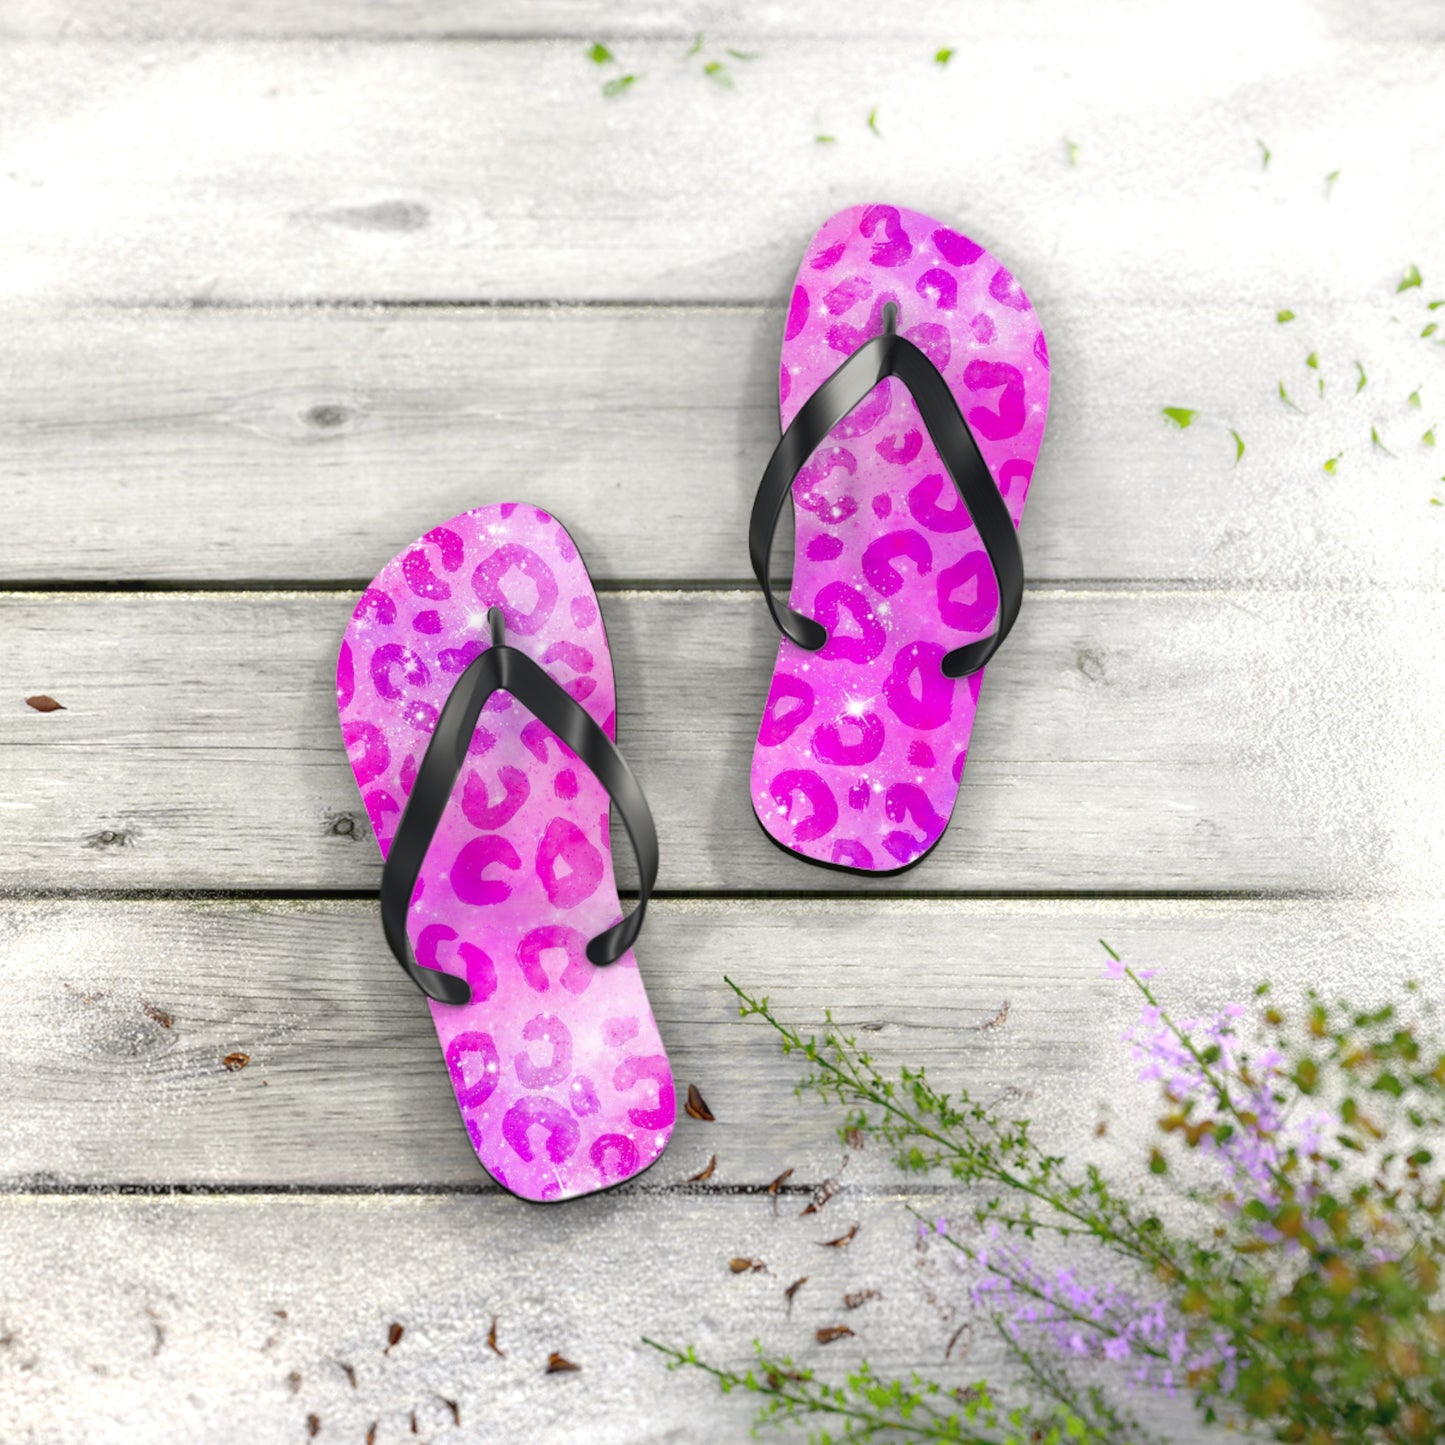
862, 744
558, 1070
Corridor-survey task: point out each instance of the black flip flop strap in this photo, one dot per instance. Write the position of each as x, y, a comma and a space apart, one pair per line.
892, 355
503, 668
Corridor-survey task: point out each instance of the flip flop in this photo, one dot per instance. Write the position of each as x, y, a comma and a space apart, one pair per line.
478, 712
913, 389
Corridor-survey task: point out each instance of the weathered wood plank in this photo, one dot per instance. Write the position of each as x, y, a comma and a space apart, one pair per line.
164, 1319
118, 1015
309, 445
177, 172
720, 21
1126, 740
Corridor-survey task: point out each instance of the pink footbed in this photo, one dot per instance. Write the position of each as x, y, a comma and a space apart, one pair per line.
862, 744
557, 1066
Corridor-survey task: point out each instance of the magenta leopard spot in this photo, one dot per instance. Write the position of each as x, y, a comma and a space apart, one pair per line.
560, 1129
545, 1029
648, 1069
568, 865
467, 872
576, 976
480, 811
955, 249
916, 690
822, 815
778, 725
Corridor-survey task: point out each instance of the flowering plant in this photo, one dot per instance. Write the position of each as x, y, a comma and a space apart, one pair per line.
1283, 1270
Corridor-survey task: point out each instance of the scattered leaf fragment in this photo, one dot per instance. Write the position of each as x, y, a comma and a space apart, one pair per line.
618, 84
694, 47
821, 1195
313, 1425
393, 1337
825, 140
704, 1173
715, 70
371, 1433
996, 1022
1332, 466
1071, 150
157, 1015
561, 1365
492, 1344
233, 1063
1181, 416
294, 1381
696, 1105
792, 1289
1411, 278
1377, 440
778, 1183
1100, 1129
41, 703
842, 1241
1313, 361
1264, 155
943, 55
829, 1333
1284, 396
859, 1297
1435, 305
1284, 317
1414, 398
744, 55
1430, 330
414, 1430
739, 1265
1363, 379
453, 1407
600, 54
1429, 438
349, 1371
1238, 445
873, 121
1330, 183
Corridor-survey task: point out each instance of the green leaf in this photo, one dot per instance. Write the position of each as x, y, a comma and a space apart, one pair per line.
943, 55
694, 47
1409, 279
600, 54
1429, 437
715, 70
1431, 329
619, 84
1414, 397
743, 54
1072, 151
1285, 398
1238, 445
1158, 1164
1377, 440
1360, 384
1435, 305
1264, 155
1330, 183
1313, 361
1332, 465
1283, 316
873, 121
825, 140
1181, 416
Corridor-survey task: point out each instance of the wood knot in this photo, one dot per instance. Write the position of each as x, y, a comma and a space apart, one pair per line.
111, 838
344, 825
328, 415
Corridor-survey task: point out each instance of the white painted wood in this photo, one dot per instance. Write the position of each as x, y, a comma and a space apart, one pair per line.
118, 1015
1126, 740
183, 171
310, 445
136, 1318
721, 22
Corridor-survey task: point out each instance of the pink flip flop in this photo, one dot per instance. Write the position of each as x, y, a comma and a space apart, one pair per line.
477, 709
913, 390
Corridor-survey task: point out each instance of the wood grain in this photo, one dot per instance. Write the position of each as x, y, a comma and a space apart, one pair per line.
308, 445
119, 1014
231, 1320
1128, 740
183, 172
